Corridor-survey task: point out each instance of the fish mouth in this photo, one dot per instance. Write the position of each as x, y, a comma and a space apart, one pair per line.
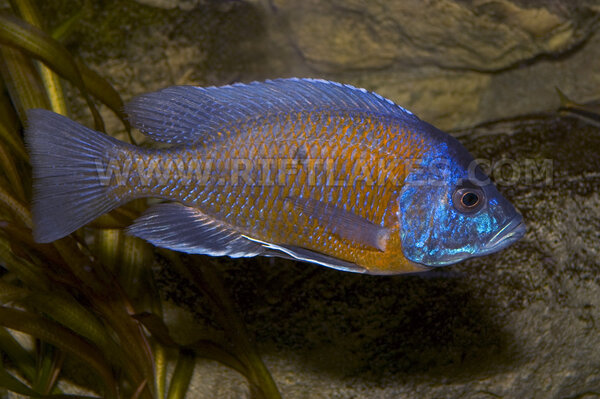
508, 234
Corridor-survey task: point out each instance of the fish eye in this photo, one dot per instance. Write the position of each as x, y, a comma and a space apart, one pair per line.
468, 197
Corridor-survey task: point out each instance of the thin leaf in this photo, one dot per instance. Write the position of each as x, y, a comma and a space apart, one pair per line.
7, 165
16, 144
79, 264
160, 351
160, 367
157, 328
29, 12
205, 348
103, 91
50, 363
71, 314
107, 248
62, 338
217, 352
59, 59
16, 206
13, 384
136, 256
25, 270
180, 381
19, 356
65, 28
22, 236
119, 218
9, 122
139, 390
22, 80
261, 381
117, 314
11, 293
40, 45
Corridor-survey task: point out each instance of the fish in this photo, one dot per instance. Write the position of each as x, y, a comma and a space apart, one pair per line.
304, 169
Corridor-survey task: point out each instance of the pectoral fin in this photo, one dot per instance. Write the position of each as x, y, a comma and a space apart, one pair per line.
345, 224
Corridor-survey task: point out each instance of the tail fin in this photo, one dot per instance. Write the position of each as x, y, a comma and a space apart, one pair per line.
69, 189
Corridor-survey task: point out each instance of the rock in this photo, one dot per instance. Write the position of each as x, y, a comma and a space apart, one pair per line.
519, 323
471, 35
170, 4
454, 62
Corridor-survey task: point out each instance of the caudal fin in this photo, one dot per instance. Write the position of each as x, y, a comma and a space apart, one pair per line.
69, 188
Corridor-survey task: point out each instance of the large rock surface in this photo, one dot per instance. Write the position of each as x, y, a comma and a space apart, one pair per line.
454, 62
518, 324
449, 34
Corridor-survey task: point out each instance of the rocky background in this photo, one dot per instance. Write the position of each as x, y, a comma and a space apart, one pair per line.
517, 324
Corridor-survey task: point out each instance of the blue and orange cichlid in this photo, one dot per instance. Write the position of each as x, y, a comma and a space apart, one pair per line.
296, 168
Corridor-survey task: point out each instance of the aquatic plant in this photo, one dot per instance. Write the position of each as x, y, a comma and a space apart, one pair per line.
89, 298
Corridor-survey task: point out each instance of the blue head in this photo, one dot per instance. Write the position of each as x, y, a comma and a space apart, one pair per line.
450, 211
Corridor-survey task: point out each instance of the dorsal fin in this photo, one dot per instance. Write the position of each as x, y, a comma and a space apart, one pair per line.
188, 114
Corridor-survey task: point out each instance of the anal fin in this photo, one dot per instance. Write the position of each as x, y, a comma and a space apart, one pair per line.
187, 229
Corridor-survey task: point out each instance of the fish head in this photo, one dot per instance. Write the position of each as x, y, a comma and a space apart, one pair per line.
449, 210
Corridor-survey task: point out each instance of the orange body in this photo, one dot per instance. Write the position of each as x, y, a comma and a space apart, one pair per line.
355, 162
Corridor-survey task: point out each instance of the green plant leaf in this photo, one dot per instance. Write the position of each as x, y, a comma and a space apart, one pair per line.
38, 44
25, 270
68, 312
215, 351
11, 383
42, 46
8, 166
9, 123
16, 206
139, 390
157, 327
19, 356
160, 367
21, 80
207, 279
65, 28
21, 236
62, 338
29, 12
16, 144
10, 292
209, 349
103, 91
180, 380
50, 361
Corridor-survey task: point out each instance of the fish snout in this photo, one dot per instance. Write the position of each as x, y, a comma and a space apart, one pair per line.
511, 232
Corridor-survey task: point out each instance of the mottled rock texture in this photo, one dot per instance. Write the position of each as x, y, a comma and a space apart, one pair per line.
446, 59
454, 62
518, 324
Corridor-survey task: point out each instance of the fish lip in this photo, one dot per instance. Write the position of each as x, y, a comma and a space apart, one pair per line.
508, 234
